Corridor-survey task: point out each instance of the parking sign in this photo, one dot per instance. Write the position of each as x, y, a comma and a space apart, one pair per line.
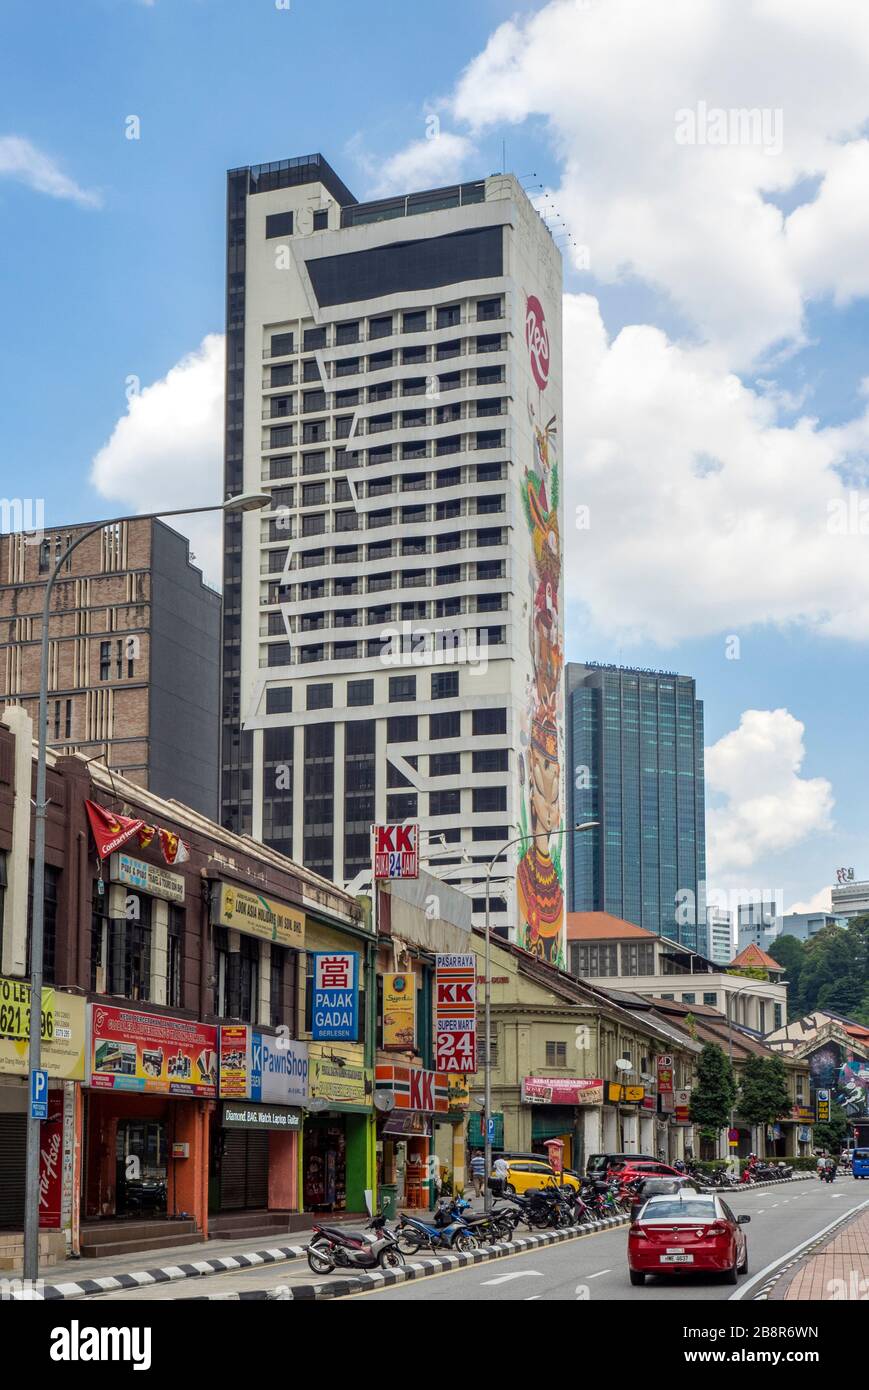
39, 1095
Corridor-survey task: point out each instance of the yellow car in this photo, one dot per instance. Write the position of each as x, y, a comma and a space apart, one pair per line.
524, 1174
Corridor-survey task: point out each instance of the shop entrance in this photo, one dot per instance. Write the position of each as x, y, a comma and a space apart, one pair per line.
239, 1176
324, 1185
141, 1167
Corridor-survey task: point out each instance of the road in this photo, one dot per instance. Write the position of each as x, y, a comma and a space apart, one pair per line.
593, 1268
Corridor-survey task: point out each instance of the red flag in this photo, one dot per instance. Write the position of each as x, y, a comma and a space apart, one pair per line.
110, 831
175, 851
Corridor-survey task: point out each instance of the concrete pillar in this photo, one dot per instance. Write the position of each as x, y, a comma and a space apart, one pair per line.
159, 950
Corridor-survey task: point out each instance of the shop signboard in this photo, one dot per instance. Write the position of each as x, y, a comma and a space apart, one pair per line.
249, 1114
664, 1064
396, 851
152, 879
456, 1013
335, 1009
63, 1031
51, 1164
399, 1012
408, 1122
413, 1088
822, 1100
261, 1067
682, 1110
253, 915
619, 1094
562, 1090
459, 1093
152, 1053
339, 1076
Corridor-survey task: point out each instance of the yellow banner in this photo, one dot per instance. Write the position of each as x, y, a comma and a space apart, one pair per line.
258, 916
63, 1031
399, 1012
337, 1072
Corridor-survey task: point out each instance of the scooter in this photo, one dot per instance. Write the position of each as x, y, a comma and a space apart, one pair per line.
376, 1247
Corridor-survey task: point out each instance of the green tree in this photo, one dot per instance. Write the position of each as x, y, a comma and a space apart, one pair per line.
791, 954
831, 1134
713, 1093
763, 1092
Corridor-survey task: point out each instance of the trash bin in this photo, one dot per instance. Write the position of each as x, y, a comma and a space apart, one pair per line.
389, 1199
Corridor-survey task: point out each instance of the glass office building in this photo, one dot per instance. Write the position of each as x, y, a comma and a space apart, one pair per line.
635, 743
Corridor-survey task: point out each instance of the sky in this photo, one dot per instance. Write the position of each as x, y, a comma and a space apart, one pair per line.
705, 167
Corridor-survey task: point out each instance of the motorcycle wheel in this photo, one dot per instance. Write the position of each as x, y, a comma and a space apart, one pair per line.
319, 1262
465, 1243
410, 1242
391, 1259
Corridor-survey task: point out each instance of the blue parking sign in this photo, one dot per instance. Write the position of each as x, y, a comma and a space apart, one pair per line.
39, 1095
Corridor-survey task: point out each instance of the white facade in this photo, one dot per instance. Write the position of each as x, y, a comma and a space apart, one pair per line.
396, 639
850, 899
719, 935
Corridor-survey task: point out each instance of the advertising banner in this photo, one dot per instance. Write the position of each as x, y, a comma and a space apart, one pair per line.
399, 1012
456, 1013
235, 1048
63, 1031
664, 1064
558, 1090
822, 1100
261, 1067
51, 1164
255, 915
154, 1053
682, 1106
396, 851
335, 1011
413, 1088
147, 878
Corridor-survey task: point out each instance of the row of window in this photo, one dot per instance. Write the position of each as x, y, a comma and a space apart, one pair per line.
281, 653
378, 325
481, 571
420, 417
432, 386
316, 462
318, 432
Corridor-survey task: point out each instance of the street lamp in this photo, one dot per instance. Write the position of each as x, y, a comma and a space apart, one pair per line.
518, 839
243, 502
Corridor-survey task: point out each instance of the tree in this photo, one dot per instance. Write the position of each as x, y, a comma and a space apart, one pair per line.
714, 1092
791, 954
763, 1092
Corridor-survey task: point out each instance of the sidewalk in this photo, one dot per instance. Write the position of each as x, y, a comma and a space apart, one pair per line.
839, 1271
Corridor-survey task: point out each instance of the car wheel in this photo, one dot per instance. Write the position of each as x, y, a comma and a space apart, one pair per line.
510, 1189
637, 1276
744, 1269
732, 1275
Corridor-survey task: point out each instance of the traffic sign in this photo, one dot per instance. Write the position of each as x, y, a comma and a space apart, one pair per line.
39, 1095
490, 1130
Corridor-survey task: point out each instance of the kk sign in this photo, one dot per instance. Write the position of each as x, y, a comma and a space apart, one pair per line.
396, 851
456, 1013
335, 1012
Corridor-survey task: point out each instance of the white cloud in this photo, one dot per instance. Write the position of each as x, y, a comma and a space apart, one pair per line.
694, 220
765, 807
706, 515
430, 162
167, 450
822, 901
20, 159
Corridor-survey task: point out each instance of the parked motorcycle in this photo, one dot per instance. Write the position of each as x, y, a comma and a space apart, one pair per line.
447, 1231
376, 1247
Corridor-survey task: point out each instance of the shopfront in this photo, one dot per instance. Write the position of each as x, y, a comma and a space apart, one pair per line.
410, 1101
253, 1164
337, 1145
150, 1081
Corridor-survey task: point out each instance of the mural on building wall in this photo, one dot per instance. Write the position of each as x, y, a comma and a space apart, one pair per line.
833, 1068
540, 874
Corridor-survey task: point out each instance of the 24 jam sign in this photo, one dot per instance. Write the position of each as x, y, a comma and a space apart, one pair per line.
537, 338
396, 851
456, 1013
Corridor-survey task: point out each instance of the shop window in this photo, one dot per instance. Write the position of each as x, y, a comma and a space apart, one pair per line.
282, 991
556, 1054
129, 955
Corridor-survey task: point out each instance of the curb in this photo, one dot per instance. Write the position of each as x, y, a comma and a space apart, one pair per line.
423, 1269
753, 1186
198, 1269
765, 1291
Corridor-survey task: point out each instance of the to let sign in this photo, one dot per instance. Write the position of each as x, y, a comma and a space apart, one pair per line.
396, 851
456, 1013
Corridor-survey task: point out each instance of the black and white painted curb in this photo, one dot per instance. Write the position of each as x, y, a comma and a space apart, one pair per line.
753, 1186
197, 1269
366, 1280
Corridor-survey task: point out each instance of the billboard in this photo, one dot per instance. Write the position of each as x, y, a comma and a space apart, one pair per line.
152, 1053
396, 851
258, 1066
251, 913
399, 1012
560, 1090
335, 1009
456, 1013
63, 1031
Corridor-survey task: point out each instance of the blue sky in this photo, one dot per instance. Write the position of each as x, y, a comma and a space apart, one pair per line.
118, 272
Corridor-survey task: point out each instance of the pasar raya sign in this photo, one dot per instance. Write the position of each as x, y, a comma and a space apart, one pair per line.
456, 1013
396, 851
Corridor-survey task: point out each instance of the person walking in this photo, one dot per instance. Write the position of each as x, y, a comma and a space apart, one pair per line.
478, 1171
501, 1173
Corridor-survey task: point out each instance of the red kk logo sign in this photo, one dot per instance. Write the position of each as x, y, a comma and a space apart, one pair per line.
537, 338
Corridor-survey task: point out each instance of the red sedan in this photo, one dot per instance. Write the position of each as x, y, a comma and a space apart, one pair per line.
643, 1168
688, 1231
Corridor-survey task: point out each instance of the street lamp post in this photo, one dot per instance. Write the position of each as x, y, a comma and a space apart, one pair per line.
487, 1070
244, 502
728, 997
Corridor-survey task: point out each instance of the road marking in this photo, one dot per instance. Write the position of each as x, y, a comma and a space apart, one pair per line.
834, 1195
599, 1273
783, 1259
517, 1274
760, 1211
533, 1298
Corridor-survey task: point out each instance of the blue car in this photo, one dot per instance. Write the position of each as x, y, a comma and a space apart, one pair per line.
860, 1163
